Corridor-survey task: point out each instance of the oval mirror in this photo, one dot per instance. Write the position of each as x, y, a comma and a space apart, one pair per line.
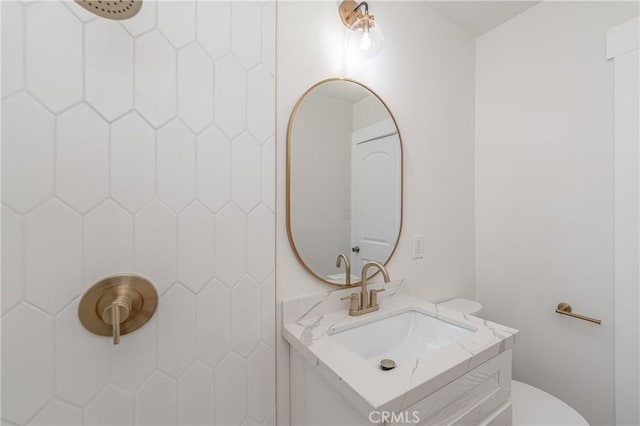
344, 180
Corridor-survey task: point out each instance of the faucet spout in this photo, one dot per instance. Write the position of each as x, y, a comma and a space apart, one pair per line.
381, 268
368, 299
347, 267
364, 296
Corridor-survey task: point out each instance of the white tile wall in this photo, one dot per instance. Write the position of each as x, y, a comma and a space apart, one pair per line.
133, 166
246, 26
108, 68
143, 146
214, 28
82, 158
143, 21
213, 322
195, 87
245, 316
27, 162
53, 50
195, 393
155, 78
12, 42
231, 390
156, 401
214, 179
82, 359
112, 407
176, 172
58, 413
230, 95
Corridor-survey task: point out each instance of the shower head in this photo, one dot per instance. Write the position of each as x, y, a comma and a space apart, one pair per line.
112, 9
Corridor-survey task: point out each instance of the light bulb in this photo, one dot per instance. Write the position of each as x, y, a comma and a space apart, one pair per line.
365, 41
363, 44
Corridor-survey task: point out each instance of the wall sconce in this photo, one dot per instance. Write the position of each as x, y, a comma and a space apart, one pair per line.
355, 16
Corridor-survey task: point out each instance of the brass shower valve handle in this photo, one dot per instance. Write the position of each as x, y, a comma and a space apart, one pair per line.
118, 305
116, 313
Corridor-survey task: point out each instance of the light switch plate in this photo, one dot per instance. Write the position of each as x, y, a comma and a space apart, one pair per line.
418, 246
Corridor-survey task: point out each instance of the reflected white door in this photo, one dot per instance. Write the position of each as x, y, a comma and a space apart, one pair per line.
375, 193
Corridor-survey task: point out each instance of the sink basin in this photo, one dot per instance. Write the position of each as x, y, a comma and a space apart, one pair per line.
336, 354
402, 337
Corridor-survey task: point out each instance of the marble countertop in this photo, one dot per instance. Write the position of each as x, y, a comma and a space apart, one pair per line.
308, 323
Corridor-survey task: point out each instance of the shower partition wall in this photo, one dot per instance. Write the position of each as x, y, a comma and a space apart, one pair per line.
146, 146
623, 49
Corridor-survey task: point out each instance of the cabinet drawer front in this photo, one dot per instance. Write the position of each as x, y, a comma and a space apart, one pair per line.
468, 399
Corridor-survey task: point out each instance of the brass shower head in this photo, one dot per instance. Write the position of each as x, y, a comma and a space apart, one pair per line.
112, 9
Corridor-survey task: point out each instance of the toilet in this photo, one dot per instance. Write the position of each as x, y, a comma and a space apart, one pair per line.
531, 406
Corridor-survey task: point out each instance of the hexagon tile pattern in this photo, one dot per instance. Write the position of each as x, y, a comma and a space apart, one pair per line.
133, 169
28, 143
53, 55
82, 175
109, 68
145, 146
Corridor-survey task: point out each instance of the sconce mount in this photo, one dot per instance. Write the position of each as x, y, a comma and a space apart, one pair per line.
355, 15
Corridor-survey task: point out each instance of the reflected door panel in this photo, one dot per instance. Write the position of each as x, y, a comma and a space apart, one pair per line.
375, 194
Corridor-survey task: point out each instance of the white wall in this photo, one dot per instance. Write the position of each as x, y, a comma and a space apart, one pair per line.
111, 163
425, 73
321, 189
544, 194
368, 111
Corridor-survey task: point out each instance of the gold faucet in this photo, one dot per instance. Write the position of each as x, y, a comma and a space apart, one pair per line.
368, 299
347, 267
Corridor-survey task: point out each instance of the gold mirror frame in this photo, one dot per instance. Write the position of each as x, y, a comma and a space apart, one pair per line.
288, 180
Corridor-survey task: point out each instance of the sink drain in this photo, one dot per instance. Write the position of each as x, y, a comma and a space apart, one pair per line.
387, 364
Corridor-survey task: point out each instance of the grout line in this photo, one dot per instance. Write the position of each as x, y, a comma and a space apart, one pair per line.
69, 206
23, 77
134, 60
83, 42
56, 132
134, 227
109, 162
155, 163
194, 143
156, 20
276, 331
23, 260
40, 410
230, 163
83, 269
176, 101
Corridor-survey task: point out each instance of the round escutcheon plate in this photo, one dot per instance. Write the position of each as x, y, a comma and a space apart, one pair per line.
138, 289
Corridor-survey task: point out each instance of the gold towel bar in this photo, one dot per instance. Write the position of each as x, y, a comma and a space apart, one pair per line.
565, 309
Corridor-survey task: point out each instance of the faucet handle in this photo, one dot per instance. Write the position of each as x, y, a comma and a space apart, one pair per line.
353, 298
373, 296
116, 313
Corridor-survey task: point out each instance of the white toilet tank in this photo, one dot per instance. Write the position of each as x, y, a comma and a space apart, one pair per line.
531, 406
463, 305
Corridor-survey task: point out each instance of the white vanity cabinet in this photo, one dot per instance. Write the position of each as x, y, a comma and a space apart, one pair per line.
480, 397
465, 380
